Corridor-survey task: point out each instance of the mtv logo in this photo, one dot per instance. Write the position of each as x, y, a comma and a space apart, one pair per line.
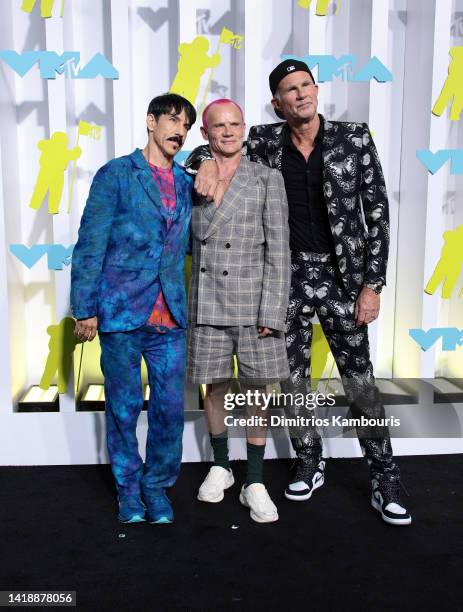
236, 41
434, 161
51, 64
57, 254
451, 337
345, 67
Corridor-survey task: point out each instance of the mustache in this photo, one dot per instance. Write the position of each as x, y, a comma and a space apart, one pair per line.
176, 139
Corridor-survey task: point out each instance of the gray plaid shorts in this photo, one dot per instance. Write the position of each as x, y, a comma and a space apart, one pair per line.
210, 351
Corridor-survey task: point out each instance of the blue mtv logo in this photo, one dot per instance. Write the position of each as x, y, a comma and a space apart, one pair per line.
434, 161
345, 67
58, 255
51, 64
451, 337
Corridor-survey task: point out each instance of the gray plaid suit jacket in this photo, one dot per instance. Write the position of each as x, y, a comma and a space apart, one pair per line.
241, 272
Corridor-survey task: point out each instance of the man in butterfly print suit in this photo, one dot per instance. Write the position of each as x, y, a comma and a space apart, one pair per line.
342, 284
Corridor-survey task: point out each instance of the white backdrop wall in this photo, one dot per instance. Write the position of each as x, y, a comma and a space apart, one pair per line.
140, 38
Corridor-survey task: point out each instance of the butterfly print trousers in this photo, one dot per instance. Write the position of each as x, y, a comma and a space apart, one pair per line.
317, 288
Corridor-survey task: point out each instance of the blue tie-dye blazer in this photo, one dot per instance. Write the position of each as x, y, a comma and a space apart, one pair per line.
125, 254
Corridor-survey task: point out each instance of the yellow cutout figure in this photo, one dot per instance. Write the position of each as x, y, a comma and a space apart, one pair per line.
453, 87
322, 6
62, 344
449, 266
53, 163
84, 129
193, 63
227, 37
46, 7
319, 354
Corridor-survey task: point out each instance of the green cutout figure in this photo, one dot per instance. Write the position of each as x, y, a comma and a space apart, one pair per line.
449, 266
53, 163
193, 63
62, 344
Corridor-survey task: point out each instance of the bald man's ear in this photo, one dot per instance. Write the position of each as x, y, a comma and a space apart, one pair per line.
204, 133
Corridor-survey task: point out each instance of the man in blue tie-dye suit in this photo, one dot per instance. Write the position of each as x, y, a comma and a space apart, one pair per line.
127, 283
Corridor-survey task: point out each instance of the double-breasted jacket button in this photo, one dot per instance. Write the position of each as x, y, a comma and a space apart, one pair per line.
225, 273
203, 269
228, 245
203, 241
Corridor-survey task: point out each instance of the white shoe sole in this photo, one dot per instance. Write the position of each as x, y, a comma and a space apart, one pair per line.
257, 517
308, 495
387, 519
215, 500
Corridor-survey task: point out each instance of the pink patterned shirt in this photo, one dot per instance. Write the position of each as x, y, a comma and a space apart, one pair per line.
160, 316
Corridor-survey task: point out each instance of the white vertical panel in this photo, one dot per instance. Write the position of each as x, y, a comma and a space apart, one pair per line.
379, 108
254, 36
14, 359
122, 87
32, 298
150, 77
5, 366
437, 183
416, 109
187, 32
318, 46
391, 122
61, 222
276, 23
91, 99
450, 363
359, 37
259, 17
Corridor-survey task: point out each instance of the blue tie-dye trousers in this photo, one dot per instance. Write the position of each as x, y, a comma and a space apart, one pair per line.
164, 355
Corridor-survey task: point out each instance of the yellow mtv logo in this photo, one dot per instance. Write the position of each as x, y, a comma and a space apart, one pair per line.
227, 37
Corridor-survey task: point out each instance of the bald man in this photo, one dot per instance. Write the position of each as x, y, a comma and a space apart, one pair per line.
239, 291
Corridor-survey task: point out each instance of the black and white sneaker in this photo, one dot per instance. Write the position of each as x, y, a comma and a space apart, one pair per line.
386, 498
306, 478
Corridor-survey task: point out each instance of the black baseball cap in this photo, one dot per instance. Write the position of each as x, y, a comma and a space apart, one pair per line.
285, 68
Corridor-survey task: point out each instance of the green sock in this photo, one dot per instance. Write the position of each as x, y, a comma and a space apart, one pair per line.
220, 449
255, 463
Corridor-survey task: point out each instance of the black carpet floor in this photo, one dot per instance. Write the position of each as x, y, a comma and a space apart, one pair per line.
58, 531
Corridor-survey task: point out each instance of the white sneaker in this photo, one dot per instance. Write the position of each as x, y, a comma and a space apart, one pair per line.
217, 480
386, 499
256, 498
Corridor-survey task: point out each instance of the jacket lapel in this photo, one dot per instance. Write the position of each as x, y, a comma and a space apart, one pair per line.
183, 188
208, 210
272, 140
232, 198
145, 178
332, 148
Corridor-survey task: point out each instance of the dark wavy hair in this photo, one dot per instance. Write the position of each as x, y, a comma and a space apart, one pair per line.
170, 103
